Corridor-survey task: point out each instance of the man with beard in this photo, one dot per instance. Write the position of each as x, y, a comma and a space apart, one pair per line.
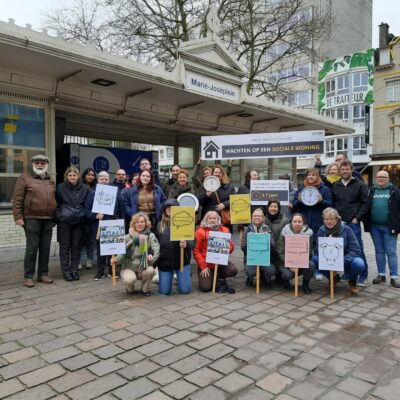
34, 208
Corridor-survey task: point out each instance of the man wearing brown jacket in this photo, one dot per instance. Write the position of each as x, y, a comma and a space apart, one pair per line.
34, 208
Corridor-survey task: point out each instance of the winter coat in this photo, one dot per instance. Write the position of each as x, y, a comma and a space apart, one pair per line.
131, 201
245, 189
168, 185
132, 257
351, 201
200, 249
71, 201
393, 211
209, 203
252, 229
287, 230
34, 197
276, 227
313, 214
176, 190
351, 247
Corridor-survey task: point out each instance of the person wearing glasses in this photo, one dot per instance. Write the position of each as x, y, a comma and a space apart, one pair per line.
383, 222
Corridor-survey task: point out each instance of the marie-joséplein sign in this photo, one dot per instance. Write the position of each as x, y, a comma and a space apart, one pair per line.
257, 145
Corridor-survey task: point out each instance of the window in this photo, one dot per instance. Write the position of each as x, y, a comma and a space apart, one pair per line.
300, 99
330, 87
384, 57
342, 113
343, 84
341, 144
22, 135
359, 146
360, 81
170, 152
162, 154
393, 91
358, 113
276, 51
330, 147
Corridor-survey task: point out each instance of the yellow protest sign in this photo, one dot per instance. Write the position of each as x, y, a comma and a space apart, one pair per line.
182, 223
240, 208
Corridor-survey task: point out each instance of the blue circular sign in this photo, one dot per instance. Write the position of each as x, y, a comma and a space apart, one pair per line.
74, 160
101, 164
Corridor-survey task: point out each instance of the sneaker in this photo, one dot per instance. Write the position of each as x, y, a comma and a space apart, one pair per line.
99, 276
89, 264
318, 276
79, 266
156, 278
353, 287
362, 282
29, 283
394, 283
379, 279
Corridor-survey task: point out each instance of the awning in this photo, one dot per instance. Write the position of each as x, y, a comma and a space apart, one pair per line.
383, 162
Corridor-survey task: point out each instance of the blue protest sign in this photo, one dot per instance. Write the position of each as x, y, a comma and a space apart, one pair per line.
258, 249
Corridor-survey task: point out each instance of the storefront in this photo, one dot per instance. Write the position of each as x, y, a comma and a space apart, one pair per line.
51, 89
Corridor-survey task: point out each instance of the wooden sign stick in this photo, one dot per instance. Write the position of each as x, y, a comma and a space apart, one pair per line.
258, 280
215, 278
113, 267
296, 282
98, 233
182, 259
332, 284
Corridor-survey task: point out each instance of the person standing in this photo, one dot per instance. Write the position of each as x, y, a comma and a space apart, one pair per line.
350, 198
34, 208
70, 216
181, 186
383, 222
170, 182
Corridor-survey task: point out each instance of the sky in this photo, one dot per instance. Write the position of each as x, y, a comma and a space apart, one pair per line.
31, 12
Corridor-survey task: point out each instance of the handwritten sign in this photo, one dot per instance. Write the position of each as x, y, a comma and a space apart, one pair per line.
297, 251
262, 191
218, 248
258, 249
182, 223
104, 199
240, 208
331, 254
112, 237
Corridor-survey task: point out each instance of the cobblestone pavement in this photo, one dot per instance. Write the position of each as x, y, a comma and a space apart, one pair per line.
87, 340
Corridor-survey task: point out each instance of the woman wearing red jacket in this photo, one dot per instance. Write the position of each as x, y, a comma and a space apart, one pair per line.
212, 222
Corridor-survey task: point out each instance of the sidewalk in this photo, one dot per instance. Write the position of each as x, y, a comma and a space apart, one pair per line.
88, 340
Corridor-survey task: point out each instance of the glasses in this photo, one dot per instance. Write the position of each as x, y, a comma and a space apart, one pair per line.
382, 177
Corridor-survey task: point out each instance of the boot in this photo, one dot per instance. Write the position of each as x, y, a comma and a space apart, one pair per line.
223, 287
394, 283
286, 285
353, 287
306, 287
379, 279
249, 281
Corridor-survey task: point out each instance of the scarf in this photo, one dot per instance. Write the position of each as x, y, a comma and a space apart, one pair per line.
335, 231
316, 184
332, 178
140, 243
211, 227
272, 218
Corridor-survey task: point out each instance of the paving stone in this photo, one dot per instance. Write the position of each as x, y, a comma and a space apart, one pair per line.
306, 390
80, 361
106, 366
389, 390
9, 347
7, 388
156, 396
173, 355
203, 342
59, 342
22, 367
60, 354
164, 376
42, 375
209, 393
274, 383
41, 392
71, 380
253, 371
272, 360
179, 389
20, 354
131, 357
155, 347
203, 377
217, 351
253, 394
92, 344
94, 389
160, 332
355, 387
233, 382
139, 369
337, 366
337, 394
227, 365
295, 373
135, 389
181, 337
133, 341
108, 351
308, 361
190, 364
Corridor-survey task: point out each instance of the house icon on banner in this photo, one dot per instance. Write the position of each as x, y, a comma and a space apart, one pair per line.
211, 150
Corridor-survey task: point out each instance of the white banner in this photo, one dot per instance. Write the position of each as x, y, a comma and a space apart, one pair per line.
261, 191
261, 145
112, 237
218, 248
104, 199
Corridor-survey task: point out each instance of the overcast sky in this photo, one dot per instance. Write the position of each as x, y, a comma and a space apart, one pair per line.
30, 12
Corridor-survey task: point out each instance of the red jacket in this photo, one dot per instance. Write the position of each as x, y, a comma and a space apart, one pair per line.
200, 250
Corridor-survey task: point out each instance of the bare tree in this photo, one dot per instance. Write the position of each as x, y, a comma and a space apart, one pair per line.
270, 37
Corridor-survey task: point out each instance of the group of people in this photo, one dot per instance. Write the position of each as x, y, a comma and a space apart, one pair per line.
341, 201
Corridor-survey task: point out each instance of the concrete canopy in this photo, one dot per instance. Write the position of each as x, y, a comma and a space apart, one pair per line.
143, 104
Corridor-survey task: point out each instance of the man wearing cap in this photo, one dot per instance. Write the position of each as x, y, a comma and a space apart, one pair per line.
34, 208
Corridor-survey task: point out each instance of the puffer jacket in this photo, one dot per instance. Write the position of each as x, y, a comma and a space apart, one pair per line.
74, 197
200, 249
252, 229
34, 197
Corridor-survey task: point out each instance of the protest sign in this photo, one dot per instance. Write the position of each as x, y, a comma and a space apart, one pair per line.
112, 237
218, 248
297, 251
104, 199
182, 223
261, 145
330, 254
240, 208
261, 191
258, 249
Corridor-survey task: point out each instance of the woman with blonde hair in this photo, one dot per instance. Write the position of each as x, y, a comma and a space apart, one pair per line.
331, 175
142, 252
71, 197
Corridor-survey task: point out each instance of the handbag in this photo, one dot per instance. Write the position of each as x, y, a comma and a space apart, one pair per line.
225, 213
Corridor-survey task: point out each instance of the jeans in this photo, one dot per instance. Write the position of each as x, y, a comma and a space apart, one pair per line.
385, 246
352, 268
224, 271
38, 234
184, 280
69, 237
288, 275
266, 273
88, 240
356, 228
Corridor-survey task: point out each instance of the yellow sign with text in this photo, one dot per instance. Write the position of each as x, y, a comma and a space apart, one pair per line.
182, 223
240, 208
